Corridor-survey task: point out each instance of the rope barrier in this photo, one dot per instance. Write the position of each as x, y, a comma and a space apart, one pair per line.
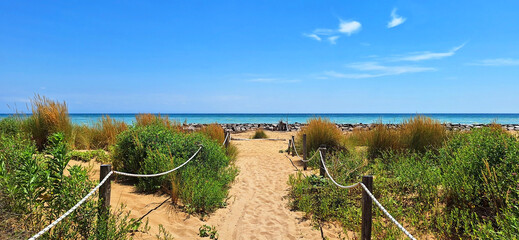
387, 214
37, 235
371, 196
99, 185
300, 158
328, 173
159, 174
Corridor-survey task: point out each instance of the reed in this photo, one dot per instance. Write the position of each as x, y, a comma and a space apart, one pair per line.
147, 119
47, 117
214, 131
259, 134
320, 131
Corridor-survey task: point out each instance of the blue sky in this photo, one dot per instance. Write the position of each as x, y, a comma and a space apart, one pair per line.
262, 56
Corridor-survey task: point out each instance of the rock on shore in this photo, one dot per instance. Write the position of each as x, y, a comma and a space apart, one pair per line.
346, 127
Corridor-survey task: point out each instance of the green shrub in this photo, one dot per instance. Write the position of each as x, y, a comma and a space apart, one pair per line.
202, 183
85, 156
259, 133
37, 190
10, 126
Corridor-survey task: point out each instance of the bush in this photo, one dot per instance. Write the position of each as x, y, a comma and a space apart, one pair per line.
47, 117
147, 119
214, 131
202, 183
319, 132
10, 126
259, 133
35, 190
86, 156
417, 134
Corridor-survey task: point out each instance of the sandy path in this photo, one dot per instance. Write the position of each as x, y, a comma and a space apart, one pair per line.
257, 207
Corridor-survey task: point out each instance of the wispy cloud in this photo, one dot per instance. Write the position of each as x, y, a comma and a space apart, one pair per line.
421, 56
349, 27
273, 80
313, 36
345, 27
497, 62
375, 69
333, 39
395, 19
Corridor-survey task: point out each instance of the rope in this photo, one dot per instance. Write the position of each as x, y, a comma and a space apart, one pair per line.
371, 196
385, 212
72, 209
328, 173
255, 139
226, 137
299, 170
300, 158
159, 174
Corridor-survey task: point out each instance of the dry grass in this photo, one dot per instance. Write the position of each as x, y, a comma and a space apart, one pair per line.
259, 134
417, 134
48, 117
100, 136
214, 131
320, 131
146, 119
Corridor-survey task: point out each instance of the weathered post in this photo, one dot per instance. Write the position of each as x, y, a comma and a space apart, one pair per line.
227, 139
293, 147
367, 205
322, 172
104, 196
304, 152
289, 145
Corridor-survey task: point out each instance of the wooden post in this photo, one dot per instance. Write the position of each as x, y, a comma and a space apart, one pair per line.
322, 172
293, 146
367, 204
304, 152
104, 197
228, 137
289, 145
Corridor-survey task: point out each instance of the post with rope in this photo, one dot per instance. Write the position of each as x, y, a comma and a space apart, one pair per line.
305, 156
289, 146
366, 208
227, 139
104, 195
322, 171
293, 147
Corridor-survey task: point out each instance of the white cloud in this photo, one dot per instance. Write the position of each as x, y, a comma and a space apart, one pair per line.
375, 69
395, 19
313, 36
497, 62
429, 55
349, 27
333, 39
345, 27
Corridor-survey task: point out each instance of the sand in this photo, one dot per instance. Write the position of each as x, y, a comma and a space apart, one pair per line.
257, 205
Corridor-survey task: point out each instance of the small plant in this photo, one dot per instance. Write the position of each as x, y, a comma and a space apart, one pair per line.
85, 156
208, 231
164, 234
259, 134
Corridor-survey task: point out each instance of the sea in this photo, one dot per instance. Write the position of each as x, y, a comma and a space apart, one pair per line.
352, 118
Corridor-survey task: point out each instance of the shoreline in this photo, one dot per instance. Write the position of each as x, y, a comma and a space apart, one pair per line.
345, 127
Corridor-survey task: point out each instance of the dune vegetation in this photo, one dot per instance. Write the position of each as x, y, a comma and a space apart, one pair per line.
439, 184
37, 183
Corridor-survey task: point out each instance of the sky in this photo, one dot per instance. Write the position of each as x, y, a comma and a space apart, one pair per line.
261, 56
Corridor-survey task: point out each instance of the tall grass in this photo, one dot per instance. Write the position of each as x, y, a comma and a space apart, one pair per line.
259, 133
417, 134
100, 136
320, 131
47, 117
146, 119
214, 131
